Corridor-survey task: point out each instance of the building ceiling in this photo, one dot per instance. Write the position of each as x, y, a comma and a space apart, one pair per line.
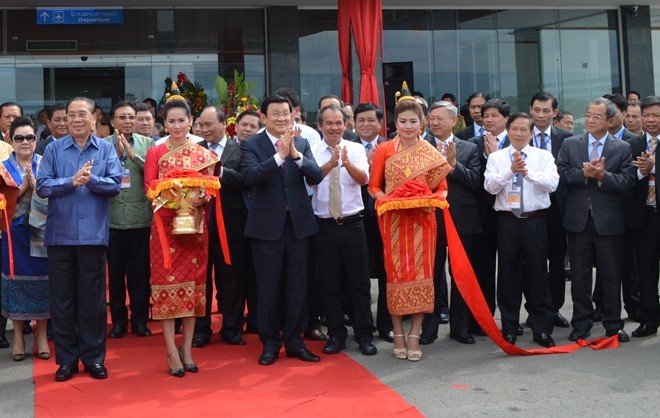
421, 4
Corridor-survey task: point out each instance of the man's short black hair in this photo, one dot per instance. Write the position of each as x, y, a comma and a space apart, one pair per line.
290, 94
367, 107
544, 96
502, 107
274, 98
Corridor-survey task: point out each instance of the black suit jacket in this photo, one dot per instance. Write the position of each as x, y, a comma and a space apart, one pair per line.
637, 205
558, 197
233, 185
41, 145
627, 135
484, 199
275, 189
605, 201
466, 133
462, 186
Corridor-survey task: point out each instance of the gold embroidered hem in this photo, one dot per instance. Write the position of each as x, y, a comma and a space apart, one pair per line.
411, 297
178, 300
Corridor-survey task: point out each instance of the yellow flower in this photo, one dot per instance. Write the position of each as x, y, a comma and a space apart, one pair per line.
244, 99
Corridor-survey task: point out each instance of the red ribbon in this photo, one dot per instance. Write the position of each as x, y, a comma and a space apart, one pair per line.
468, 286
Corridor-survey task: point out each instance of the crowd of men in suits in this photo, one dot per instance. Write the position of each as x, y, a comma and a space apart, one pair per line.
304, 238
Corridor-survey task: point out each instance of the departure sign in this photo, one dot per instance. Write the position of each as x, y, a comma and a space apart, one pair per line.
79, 16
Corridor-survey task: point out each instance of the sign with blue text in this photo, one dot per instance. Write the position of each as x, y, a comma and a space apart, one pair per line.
79, 16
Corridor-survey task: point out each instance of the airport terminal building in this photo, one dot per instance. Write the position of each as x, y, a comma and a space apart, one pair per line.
110, 50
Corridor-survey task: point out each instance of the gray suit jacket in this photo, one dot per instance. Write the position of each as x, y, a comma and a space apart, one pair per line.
606, 201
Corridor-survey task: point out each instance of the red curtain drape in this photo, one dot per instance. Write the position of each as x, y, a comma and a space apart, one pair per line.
366, 19
367, 22
344, 34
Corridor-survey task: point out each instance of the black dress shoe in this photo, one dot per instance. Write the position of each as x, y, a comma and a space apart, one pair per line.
141, 330
368, 348
644, 331
598, 315
200, 340
426, 339
27, 328
577, 334
519, 330
387, 335
97, 371
623, 335
3, 342
543, 339
268, 357
233, 339
444, 318
304, 354
560, 321
315, 334
334, 346
510, 338
463, 338
65, 372
117, 331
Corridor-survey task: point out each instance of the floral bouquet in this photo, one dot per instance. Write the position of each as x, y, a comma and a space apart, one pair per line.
234, 97
191, 91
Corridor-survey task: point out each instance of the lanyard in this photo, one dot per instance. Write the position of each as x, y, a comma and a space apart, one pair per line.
543, 144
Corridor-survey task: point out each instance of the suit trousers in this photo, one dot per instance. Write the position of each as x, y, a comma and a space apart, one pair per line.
128, 269
342, 252
281, 269
647, 250
629, 277
229, 286
377, 270
250, 285
557, 247
484, 268
586, 250
523, 241
3, 319
77, 302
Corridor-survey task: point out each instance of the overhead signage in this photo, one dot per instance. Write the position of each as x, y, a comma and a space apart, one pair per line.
80, 16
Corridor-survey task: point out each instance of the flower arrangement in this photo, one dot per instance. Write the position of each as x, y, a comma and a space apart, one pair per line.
191, 91
234, 97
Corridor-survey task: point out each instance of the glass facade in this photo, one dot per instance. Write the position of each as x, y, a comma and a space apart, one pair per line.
510, 54
132, 60
655, 39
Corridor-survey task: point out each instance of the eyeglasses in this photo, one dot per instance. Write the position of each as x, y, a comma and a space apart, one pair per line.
23, 138
594, 117
74, 116
277, 115
124, 118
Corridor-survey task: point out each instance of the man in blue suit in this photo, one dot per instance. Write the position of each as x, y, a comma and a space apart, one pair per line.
276, 164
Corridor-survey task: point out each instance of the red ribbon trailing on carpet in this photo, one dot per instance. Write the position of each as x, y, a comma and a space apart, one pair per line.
466, 281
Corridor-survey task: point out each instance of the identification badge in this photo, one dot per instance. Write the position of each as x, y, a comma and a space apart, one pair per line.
126, 179
513, 196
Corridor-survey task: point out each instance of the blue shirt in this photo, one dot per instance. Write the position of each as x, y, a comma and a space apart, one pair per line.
593, 140
78, 215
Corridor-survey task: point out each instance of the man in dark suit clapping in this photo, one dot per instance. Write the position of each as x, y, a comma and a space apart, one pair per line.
280, 222
597, 169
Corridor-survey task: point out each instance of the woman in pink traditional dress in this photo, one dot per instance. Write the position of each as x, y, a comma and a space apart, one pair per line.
179, 291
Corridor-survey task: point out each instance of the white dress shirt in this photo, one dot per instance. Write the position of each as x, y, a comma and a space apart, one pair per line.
278, 160
542, 178
351, 192
218, 148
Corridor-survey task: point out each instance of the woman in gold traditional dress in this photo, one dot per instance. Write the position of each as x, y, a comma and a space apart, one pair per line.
408, 182
178, 291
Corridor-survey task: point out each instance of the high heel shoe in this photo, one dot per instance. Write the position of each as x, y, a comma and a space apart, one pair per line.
19, 356
43, 355
189, 367
414, 355
180, 372
400, 353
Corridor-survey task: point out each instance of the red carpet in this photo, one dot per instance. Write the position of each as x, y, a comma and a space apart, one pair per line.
230, 383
